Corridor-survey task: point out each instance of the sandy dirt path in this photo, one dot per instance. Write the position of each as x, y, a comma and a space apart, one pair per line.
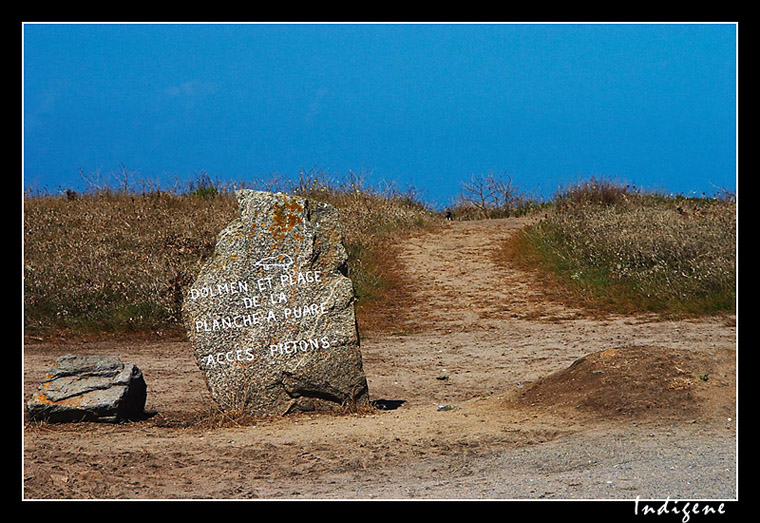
477, 334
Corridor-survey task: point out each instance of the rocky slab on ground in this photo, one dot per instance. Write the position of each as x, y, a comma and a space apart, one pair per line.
89, 388
270, 315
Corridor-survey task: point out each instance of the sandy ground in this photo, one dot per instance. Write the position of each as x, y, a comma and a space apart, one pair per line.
481, 401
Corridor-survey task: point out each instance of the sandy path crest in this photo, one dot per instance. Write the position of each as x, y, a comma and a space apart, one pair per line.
458, 283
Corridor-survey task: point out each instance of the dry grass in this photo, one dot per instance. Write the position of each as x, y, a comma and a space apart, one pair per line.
117, 261
621, 251
113, 261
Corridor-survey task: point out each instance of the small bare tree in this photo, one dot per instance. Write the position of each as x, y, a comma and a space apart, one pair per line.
479, 193
94, 180
125, 178
489, 194
99, 182
506, 194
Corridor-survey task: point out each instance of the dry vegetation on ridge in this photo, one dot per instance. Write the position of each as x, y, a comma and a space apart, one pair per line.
120, 261
616, 249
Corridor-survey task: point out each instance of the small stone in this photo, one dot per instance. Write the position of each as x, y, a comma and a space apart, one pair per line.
89, 388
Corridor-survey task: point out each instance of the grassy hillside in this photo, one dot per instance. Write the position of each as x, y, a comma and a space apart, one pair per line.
115, 260
615, 249
119, 260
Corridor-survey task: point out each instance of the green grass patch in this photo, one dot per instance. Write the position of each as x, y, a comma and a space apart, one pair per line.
624, 252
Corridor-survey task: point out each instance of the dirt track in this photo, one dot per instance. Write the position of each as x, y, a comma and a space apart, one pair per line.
478, 341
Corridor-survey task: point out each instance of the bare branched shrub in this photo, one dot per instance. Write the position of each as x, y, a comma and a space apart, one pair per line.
123, 180
491, 196
480, 193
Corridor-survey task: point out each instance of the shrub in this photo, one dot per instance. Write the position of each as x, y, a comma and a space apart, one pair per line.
202, 187
594, 191
490, 196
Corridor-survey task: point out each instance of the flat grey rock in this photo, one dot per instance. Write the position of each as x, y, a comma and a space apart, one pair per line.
271, 314
89, 388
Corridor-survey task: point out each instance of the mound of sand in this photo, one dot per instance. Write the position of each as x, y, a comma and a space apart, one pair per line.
642, 381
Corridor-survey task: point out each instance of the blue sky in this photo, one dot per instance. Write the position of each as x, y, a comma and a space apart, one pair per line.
426, 105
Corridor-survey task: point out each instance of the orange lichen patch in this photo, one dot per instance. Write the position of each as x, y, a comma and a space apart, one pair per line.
285, 217
39, 397
293, 205
245, 365
75, 401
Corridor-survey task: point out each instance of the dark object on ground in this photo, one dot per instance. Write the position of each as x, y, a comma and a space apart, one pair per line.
382, 404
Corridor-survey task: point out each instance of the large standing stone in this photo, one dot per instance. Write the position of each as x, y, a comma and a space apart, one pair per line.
89, 388
271, 313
